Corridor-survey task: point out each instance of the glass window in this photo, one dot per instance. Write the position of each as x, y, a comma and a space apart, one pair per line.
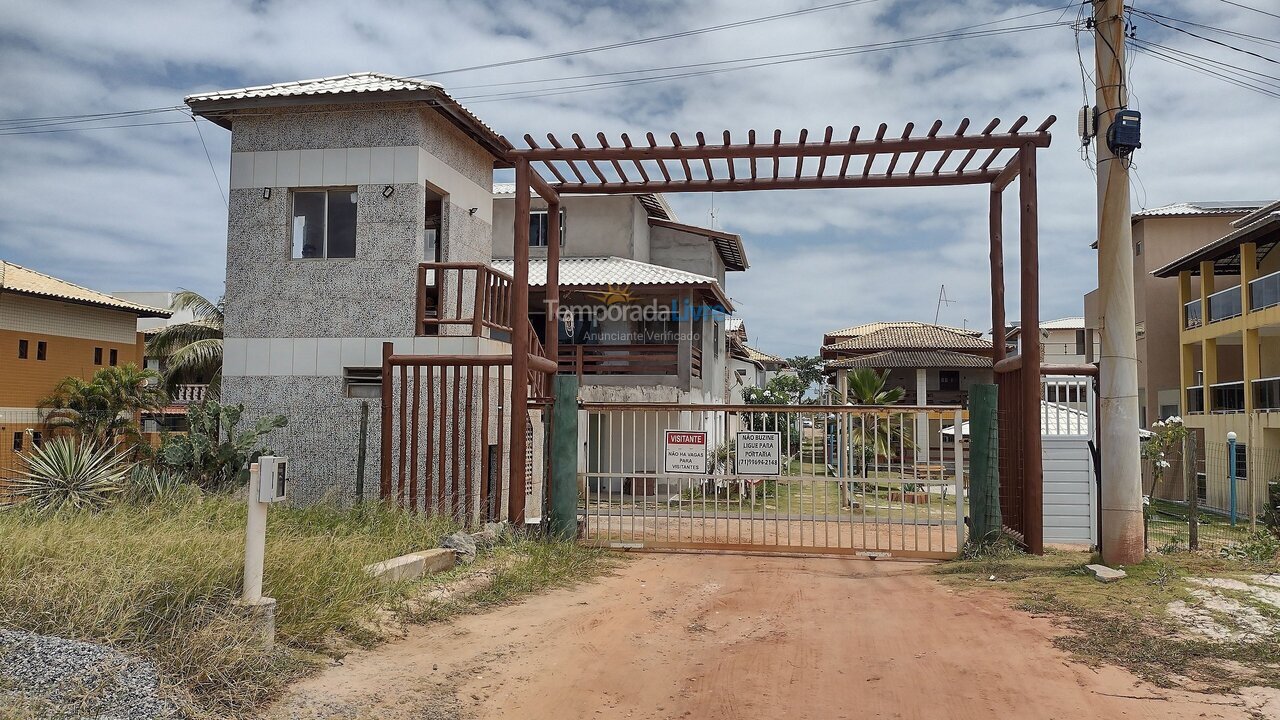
538, 228
114, 357
324, 223
42, 349
949, 380
1080, 342
22, 349
17, 442
97, 356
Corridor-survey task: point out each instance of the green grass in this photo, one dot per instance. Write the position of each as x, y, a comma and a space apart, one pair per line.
159, 581
1126, 623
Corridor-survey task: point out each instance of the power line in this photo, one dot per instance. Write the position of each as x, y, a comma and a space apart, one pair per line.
1246, 7
517, 61
99, 127
815, 55
1160, 54
209, 157
1232, 33
1221, 65
1215, 42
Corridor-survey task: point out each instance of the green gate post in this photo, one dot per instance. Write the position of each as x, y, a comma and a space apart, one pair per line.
564, 457
984, 468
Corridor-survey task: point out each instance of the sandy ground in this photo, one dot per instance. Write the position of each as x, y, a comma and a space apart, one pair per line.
732, 636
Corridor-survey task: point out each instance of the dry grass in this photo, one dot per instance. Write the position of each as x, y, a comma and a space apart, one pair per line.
1126, 623
158, 581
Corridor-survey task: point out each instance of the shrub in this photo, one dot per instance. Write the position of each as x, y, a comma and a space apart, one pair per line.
213, 451
64, 474
1259, 546
148, 484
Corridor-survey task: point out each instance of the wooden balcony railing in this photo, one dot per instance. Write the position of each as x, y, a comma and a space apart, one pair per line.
623, 360
442, 288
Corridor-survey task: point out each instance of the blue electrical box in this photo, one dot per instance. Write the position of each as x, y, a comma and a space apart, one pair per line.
1125, 133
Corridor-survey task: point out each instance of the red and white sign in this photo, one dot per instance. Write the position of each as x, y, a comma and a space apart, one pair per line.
686, 452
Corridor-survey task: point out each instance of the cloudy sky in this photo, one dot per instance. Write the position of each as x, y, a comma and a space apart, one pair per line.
135, 208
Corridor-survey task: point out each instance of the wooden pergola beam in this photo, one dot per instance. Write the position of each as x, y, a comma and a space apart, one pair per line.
784, 183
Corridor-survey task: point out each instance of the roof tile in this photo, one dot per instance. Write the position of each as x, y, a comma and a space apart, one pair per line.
16, 278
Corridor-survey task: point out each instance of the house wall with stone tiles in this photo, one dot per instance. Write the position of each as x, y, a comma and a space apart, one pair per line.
294, 324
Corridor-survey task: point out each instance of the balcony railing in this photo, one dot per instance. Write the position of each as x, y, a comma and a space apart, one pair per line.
654, 359
1266, 394
1264, 292
443, 293
1227, 397
188, 394
1192, 317
1195, 399
1225, 304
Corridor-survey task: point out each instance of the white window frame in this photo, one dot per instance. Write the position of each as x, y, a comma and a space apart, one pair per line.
293, 199
533, 240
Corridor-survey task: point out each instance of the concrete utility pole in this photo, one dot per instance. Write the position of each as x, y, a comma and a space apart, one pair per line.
1122, 542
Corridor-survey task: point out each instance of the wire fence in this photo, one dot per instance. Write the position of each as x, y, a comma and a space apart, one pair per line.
1206, 501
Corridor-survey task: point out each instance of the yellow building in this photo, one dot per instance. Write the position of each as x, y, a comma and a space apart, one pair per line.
1229, 292
51, 329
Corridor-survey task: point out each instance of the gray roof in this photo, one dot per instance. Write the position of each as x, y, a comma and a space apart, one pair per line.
915, 336
607, 271
655, 205
218, 106
1201, 207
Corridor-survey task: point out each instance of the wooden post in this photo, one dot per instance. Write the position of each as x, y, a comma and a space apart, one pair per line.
419, 327
997, 274
552, 342
1032, 461
362, 449
384, 472
519, 348
477, 305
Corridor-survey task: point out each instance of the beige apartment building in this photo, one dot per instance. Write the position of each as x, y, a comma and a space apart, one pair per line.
1160, 236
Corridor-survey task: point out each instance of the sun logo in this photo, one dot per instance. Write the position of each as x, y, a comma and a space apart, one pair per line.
613, 294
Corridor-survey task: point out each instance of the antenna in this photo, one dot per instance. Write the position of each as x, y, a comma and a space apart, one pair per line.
713, 212
942, 298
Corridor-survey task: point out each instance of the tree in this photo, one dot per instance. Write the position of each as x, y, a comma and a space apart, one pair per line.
105, 407
191, 351
809, 368
867, 387
870, 437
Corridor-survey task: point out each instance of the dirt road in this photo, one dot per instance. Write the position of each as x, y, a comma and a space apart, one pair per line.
675, 636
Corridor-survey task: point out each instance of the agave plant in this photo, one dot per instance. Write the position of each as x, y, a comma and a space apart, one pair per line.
63, 474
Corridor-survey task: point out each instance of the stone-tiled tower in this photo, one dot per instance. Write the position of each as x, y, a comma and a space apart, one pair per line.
339, 189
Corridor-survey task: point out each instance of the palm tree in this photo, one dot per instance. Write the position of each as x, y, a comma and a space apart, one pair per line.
191, 351
104, 408
872, 434
866, 387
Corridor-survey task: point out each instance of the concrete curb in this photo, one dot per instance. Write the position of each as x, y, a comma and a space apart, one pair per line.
413, 565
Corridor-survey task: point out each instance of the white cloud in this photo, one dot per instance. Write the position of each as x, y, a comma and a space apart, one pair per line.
138, 207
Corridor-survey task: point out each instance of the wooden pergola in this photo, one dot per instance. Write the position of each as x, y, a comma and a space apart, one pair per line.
989, 156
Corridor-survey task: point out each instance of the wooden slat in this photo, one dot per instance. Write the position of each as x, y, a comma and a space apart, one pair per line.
751, 142
933, 132
946, 153
805, 183
729, 161
604, 142
706, 161
548, 165
684, 162
822, 161
871, 157
777, 159
577, 140
804, 136
574, 168
662, 164
893, 161
626, 141
853, 138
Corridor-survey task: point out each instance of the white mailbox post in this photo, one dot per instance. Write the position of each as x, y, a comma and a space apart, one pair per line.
268, 480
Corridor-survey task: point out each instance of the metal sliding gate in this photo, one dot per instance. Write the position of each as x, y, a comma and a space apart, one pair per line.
872, 481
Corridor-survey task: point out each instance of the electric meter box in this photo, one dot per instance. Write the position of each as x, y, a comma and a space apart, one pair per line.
272, 478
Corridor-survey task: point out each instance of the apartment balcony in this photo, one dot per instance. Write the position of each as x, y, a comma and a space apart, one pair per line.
1225, 304
1192, 315
1195, 399
188, 394
1264, 292
1227, 397
1266, 394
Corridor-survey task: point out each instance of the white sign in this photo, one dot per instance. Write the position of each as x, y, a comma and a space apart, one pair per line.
758, 453
686, 452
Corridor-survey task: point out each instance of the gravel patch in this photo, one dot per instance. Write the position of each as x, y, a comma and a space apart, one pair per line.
72, 679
